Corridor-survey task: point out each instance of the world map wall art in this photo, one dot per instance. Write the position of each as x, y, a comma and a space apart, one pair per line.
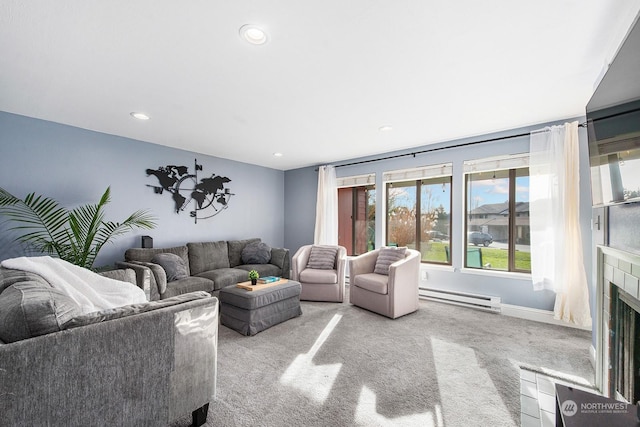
205, 198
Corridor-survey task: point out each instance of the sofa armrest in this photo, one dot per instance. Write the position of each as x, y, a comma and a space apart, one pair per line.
363, 264
405, 272
141, 276
404, 283
341, 265
299, 261
280, 257
146, 369
149, 277
122, 274
132, 309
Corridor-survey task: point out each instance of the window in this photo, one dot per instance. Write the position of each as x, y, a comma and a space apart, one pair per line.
357, 213
419, 211
497, 214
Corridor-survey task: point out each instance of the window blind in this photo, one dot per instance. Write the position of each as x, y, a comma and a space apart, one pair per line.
512, 161
356, 181
432, 171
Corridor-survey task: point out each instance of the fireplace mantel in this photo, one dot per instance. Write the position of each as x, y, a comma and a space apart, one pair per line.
621, 269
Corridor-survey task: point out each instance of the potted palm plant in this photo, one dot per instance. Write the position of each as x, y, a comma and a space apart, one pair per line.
75, 235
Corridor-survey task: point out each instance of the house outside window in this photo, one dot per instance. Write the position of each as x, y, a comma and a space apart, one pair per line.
497, 214
357, 213
418, 211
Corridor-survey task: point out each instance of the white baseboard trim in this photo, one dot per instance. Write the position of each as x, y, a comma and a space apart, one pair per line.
535, 314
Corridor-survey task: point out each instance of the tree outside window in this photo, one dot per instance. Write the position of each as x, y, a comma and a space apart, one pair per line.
418, 216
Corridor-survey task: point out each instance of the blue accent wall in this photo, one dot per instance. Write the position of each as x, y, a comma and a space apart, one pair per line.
514, 289
301, 189
75, 166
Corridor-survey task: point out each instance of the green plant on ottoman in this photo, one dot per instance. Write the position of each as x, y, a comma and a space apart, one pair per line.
253, 276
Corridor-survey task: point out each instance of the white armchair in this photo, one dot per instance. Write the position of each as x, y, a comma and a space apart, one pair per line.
320, 269
393, 294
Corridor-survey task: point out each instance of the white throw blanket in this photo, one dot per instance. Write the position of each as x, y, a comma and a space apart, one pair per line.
91, 291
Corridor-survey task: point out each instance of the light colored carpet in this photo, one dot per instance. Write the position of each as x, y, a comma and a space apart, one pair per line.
339, 365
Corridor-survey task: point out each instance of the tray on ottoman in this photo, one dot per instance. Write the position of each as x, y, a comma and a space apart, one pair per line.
249, 312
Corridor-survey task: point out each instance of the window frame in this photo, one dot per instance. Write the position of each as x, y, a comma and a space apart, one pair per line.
355, 183
512, 164
419, 177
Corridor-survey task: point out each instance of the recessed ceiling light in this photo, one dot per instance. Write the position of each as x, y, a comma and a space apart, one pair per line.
277, 154
385, 128
253, 34
139, 116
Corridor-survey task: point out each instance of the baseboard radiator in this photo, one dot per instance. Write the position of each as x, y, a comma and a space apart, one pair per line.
482, 302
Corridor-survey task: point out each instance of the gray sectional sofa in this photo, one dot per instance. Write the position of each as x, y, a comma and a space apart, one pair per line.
144, 364
205, 266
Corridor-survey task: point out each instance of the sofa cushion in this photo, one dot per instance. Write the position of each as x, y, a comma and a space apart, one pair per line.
386, 257
29, 309
319, 277
223, 277
186, 285
207, 256
378, 283
145, 254
256, 253
174, 266
322, 257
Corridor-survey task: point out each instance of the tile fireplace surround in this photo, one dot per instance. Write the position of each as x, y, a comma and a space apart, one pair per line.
615, 268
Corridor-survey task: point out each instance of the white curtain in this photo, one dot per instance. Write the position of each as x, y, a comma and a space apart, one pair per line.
554, 201
326, 232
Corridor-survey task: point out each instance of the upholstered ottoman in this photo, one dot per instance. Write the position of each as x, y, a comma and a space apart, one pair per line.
250, 312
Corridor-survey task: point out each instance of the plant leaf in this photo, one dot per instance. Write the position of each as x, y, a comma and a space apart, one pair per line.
75, 236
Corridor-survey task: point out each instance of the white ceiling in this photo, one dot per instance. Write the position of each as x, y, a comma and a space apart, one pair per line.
332, 73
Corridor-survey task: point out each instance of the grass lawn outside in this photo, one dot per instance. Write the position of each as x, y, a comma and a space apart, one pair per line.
498, 258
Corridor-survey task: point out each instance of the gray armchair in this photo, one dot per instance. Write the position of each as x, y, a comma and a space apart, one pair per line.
320, 269
393, 294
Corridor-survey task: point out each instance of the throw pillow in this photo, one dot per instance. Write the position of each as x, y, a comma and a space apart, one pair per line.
235, 248
386, 257
172, 264
322, 257
256, 253
29, 309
